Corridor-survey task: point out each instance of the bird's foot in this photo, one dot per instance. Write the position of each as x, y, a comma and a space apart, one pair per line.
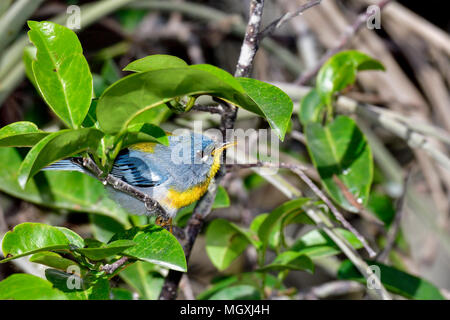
160, 221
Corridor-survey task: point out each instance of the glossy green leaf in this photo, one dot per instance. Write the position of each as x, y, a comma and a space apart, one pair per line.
29, 55
56, 146
221, 74
21, 134
317, 244
224, 243
340, 71
239, 292
290, 260
156, 245
274, 103
53, 260
341, 149
311, 106
144, 278
76, 288
105, 251
137, 93
21, 286
274, 236
28, 238
65, 190
74, 238
394, 280
61, 71
274, 218
155, 62
145, 132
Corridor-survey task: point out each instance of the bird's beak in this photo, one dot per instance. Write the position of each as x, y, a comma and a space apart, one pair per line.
220, 149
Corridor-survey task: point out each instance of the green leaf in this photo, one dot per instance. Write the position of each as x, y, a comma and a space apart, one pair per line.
74, 238
53, 260
61, 72
341, 149
156, 245
239, 292
221, 74
29, 55
274, 218
76, 288
144, 278
224, 243
317, 244
109, 250
21, 286
340, 71
274, 103
290, 260
28, 238
145, 132
137, 93
381, 205
103, 227
56, 146
155, 62
394, 280
21, 134
64, 190
110, 72
311, 106
121, 294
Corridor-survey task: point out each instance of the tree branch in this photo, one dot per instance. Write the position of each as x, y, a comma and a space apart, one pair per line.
298, 170
286, 17
344, 41
152, 205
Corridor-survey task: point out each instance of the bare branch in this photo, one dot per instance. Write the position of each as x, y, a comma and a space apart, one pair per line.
299, 171
152, 205
111, 268
286, 17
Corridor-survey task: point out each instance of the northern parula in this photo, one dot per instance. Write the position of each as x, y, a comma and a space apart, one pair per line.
175, 175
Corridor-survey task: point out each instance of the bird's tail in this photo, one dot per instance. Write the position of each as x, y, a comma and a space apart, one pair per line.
66, 165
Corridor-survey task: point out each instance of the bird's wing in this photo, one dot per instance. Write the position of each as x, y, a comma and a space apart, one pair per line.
133, 170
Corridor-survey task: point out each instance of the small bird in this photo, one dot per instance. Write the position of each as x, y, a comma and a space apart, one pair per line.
175, 175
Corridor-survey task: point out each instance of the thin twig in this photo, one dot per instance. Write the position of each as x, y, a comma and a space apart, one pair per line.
152, 205
286, 17
111, 268
344, 41
298, 170
331, 289
211, 109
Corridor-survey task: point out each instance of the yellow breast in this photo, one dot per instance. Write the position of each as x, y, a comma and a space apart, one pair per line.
178, 199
